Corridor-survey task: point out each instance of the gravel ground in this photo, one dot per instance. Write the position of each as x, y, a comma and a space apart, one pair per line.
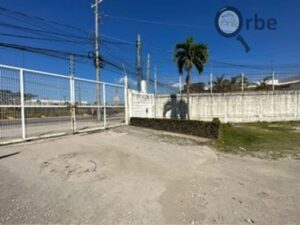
131, 175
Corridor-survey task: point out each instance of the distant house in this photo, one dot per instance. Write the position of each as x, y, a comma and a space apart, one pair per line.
9, 98
196, 88
292, 83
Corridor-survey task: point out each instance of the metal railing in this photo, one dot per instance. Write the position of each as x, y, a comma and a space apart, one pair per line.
35, 104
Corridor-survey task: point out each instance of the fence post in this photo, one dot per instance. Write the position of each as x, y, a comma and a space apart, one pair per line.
22, 104
104, 106
126, 98
73, 104
72, 93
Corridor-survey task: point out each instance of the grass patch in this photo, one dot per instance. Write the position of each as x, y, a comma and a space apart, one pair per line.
271, 140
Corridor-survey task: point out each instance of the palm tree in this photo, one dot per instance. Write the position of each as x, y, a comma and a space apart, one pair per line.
187, 55
220, 84
237, 82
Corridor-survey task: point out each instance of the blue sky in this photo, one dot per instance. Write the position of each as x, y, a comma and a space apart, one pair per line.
280, 47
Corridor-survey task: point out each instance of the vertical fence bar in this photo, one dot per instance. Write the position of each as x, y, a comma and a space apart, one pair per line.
22, 104
126, 99
73, 104
104, 106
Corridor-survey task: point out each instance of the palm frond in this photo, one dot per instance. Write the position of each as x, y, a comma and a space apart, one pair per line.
189, 54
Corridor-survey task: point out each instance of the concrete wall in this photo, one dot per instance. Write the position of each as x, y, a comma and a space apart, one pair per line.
229, 107
140, 104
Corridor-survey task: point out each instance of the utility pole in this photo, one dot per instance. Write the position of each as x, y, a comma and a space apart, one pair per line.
148, 72
97, 55
138, 62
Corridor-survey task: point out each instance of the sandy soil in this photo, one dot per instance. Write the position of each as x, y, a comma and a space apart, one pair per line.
137, 176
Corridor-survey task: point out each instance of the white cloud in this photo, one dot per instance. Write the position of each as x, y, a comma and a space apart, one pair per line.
177, 85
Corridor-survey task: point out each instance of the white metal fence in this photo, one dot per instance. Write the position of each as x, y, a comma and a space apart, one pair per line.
36, 104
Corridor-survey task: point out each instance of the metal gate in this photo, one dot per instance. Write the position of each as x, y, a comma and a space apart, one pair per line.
35, 104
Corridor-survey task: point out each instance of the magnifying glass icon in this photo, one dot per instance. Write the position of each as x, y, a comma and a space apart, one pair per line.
229, 23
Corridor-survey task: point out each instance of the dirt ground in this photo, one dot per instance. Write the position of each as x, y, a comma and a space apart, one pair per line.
131, 175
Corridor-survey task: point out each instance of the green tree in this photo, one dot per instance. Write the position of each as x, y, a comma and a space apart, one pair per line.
236, 83
263, 84
220, 84
188, 55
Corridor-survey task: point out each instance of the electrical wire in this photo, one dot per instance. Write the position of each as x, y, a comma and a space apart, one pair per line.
155, 22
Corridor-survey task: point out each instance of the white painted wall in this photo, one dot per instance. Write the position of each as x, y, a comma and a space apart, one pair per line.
140, 104
229, 107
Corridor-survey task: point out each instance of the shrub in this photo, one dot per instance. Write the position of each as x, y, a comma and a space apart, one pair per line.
191, 127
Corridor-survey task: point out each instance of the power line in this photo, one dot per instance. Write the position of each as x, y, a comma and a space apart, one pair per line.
49, 52
42, 38
23, 15
155, 22
59, 54
44, 34
41, 32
